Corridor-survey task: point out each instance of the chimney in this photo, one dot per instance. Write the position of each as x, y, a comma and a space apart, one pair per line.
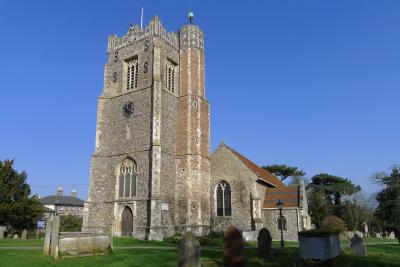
59, 191
74, 193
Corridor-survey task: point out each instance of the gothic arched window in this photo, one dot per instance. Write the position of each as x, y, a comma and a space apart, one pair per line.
127, 178
223, 199
282, 221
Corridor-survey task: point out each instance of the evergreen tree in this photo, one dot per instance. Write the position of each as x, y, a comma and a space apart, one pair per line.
17, 208
388, 210
284, 171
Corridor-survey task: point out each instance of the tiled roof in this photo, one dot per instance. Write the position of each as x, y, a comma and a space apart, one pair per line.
62, 200
290, 196
264, 175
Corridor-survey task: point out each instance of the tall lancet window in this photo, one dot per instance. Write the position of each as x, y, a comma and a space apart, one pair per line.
132, 74
223, 199
127, 178
170, 76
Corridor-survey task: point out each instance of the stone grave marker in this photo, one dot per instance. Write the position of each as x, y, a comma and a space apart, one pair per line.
350, 234
46, 248
55, 228
233, 255
264, 243
23, 235
15, 236
189, 251
357, 246
2, 230
378, 235
392, 235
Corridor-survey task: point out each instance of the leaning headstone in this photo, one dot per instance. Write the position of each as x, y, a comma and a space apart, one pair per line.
55, 227
15, 236
392, 235
46, 248
233, 255
264, 243
189, 251
23, 235
359, 233
357, 246
2, 230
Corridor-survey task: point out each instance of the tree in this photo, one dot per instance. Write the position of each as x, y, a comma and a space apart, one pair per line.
70, 223
17, 208
284, 171
319, 207
334, 187
357, 210
388, 210
334, 223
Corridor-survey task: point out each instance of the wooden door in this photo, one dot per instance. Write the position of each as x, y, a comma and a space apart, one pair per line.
127, 222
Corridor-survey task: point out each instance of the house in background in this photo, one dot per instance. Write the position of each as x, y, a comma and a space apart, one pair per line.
62, 205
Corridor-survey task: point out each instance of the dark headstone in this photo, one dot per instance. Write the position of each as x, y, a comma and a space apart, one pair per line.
189, 251
264, 243
233, 255
357, 246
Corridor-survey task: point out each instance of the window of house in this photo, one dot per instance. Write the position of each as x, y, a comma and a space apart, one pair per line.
223, 199
170, 70
282, 222
132, 74
127, 178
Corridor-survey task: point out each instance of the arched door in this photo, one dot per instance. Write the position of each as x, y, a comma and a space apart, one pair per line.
126, 222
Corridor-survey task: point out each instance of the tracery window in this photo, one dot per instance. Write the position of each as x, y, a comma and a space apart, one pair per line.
127, 178
223, 199
282, 222
170, 76
132, 74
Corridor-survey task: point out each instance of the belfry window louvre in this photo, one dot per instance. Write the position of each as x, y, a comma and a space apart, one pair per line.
170, 77
223, 199
127, 179
132, 74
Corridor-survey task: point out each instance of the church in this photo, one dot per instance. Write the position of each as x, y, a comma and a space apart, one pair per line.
152, 174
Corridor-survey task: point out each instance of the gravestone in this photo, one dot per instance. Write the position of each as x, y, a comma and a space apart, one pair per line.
15, 236
359, 233
189, 251
392, 235
2, 230
357, 246
264, 243
378, 235
233, 255
55, 228
23, 235
350, 235
46, 248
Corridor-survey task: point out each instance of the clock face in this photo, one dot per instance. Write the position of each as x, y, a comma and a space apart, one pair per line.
127, 109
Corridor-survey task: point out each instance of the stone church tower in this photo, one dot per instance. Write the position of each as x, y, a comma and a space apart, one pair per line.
150, 172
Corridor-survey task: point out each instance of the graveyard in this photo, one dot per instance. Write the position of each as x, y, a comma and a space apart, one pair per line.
132, 252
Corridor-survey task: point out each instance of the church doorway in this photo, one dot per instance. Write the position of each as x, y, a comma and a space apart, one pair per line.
126, 222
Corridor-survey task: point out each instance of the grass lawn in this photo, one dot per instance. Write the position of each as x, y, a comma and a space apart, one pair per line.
380, 253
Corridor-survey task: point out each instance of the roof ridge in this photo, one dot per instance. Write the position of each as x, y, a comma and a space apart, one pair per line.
259, 172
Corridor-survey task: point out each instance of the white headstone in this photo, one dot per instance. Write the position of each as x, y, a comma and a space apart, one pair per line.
23, 235
392, 235
15, 236
350, 235
2, 230
378, 235
55, 227
46, 248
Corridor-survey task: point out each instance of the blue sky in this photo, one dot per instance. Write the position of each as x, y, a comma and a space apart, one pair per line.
313, 84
